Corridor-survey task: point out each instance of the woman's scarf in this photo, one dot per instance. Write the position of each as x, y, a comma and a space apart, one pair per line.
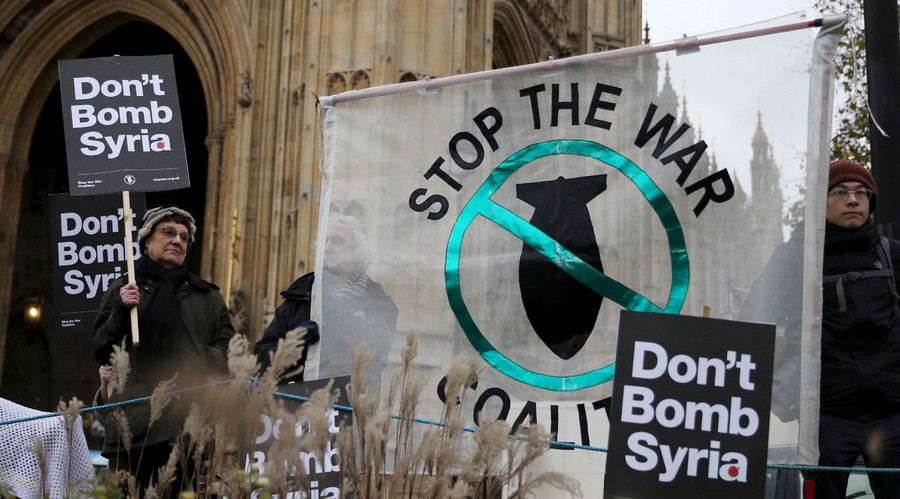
353, 288
160, 322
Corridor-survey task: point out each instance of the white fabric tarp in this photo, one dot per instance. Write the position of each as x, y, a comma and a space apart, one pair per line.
512, 214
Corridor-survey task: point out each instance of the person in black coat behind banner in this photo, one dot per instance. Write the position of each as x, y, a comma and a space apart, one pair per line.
290, 315
355, 308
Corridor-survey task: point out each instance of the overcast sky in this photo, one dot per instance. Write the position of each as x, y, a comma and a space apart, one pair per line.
672, 19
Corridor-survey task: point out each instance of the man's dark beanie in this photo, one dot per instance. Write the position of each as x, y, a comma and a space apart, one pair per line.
844, 170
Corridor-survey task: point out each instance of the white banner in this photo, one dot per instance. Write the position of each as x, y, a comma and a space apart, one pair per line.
512, 214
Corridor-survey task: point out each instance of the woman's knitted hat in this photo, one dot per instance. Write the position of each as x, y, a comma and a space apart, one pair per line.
844, 170
154, 215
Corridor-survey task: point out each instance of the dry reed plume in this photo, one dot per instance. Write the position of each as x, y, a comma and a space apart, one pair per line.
37, 448
384, 453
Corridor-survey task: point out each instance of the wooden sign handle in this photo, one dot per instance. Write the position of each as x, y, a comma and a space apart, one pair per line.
129, 258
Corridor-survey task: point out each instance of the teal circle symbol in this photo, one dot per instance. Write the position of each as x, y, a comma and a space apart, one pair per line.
481, 204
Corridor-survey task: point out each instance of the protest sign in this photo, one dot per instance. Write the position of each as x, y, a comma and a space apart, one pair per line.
322, 471
89, 251
511, 214
690, 407
122, 125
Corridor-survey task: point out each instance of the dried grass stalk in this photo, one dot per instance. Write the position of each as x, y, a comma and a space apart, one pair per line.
166, 474
125, 435
160, 399
121, 362
36, 447
437, 461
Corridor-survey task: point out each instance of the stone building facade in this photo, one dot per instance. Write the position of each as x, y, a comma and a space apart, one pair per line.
249, 72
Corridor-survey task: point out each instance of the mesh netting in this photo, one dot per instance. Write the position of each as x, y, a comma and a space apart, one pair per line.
67, 460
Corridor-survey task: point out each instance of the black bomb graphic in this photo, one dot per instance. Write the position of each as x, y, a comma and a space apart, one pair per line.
561, 233
561, 310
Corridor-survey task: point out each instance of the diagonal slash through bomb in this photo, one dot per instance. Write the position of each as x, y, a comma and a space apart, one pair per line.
561, 310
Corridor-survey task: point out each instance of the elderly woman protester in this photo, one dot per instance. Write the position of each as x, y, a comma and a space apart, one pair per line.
184, 329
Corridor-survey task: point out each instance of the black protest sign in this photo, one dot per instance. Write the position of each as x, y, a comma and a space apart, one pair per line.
122, 125
690, 408
322, 471
89, 252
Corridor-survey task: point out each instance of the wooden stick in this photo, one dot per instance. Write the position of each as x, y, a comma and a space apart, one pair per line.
129, 259
234, 238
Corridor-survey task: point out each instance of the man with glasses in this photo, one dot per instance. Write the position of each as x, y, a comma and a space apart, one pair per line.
859, 397
860, 356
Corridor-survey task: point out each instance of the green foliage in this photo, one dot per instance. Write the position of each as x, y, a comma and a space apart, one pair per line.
254, 481
107, 486
851, 132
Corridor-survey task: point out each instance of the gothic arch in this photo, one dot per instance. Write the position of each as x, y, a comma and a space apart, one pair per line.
336, 83
28, 67
360, 80
517, 40
37, 34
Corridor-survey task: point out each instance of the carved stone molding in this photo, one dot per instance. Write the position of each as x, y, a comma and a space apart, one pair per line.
528, 31
552, 19
298, 92
245, 98
237, 309
353, 79
408, 76
20, 168
20, 22
215, 136
360, 79
337, 83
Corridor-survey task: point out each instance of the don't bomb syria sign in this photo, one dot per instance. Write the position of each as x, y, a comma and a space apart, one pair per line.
122, 125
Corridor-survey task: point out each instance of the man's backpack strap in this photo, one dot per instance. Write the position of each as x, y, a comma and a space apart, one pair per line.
884, 250
887, 270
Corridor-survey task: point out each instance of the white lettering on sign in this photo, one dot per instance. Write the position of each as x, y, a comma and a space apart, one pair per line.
96, 143
72, 224
638, 408
728, 415
728, 466
77, 282
78, 251
87, 87
85, 115
684, 369
313, 463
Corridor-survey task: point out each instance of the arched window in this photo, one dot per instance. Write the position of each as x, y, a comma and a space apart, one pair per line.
360, 80
336, 83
